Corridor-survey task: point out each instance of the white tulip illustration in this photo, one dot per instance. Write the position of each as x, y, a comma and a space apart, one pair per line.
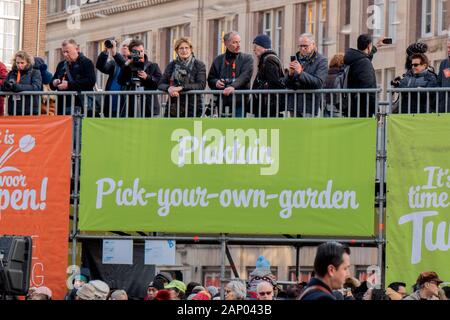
26, 144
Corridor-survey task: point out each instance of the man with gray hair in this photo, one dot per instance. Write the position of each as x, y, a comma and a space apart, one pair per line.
231, 71
308, 70
75, 73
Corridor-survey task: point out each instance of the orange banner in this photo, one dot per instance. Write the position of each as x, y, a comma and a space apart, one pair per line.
35, 166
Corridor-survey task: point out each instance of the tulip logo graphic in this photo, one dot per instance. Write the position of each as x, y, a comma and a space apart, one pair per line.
26, 144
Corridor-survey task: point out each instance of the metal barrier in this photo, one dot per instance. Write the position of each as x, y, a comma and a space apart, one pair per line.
246, 103
200, 103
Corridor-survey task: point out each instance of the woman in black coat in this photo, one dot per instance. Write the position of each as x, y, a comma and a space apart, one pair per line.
183, 74
23, 77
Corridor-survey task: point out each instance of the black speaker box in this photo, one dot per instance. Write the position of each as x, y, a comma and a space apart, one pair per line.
15, 264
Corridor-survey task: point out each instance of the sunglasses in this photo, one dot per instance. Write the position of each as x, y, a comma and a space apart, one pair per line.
415, 65
268, 293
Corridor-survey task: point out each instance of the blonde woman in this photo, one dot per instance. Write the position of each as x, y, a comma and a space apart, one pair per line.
183, 74
23, 77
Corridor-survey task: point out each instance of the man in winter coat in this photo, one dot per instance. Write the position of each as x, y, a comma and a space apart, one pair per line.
139, 73
112, 69
75, 73
231, 71
307, 72
362, 76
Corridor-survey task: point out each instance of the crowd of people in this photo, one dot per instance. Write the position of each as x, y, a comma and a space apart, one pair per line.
330, 280
129, 69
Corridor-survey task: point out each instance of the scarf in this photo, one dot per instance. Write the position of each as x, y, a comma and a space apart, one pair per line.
182, 70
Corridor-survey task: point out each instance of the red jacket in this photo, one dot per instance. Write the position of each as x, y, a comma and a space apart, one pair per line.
3, 75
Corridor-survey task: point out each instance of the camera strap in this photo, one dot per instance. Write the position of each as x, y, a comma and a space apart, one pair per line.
67, 72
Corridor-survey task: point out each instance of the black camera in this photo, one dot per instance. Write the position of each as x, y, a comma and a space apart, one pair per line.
135, 56
227, 82
396, 82
109, 44
9, 85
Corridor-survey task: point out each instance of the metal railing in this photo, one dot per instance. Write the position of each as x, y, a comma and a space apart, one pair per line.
243, 103
199, 103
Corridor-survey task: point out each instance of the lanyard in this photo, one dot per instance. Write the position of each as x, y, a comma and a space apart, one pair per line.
233, 67
18, 76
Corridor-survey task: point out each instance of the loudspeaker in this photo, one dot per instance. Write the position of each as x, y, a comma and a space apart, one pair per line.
15, 264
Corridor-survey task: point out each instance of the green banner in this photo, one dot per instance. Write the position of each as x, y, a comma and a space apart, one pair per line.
249, 176
418, 213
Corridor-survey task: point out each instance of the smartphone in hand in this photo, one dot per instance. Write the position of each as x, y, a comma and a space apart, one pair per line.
293, 58
387, 41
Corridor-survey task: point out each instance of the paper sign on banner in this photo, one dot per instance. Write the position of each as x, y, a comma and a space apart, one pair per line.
160, 252
117, 252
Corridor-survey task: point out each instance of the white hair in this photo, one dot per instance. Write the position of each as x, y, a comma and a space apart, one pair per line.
238, 288
229, 35
262, 284
308, 36
126, 42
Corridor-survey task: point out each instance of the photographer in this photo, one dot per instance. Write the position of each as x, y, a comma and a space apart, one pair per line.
107, 65
181, 75
419, 77
138, 73
23, 77
75, 73
308, 71
231, 71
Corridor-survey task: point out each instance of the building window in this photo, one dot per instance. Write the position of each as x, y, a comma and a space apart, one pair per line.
211, 276
323, 14
305, 274
389, 76
393, 21
378, 28
9, 29
272, 26
426, 18
142, 36
442, 16
310, 17
173, 34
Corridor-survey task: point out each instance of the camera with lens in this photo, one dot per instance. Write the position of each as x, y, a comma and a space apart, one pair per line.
109, 43
396, 82
9, 85
227, 82
136, 65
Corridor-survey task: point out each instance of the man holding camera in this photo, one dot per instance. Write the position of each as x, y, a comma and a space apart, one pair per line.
75, 73
138, 73
231, 71
308, 70
112, 69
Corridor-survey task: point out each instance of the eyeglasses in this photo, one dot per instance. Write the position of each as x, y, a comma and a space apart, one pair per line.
267, 293
415, 65
304, 46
